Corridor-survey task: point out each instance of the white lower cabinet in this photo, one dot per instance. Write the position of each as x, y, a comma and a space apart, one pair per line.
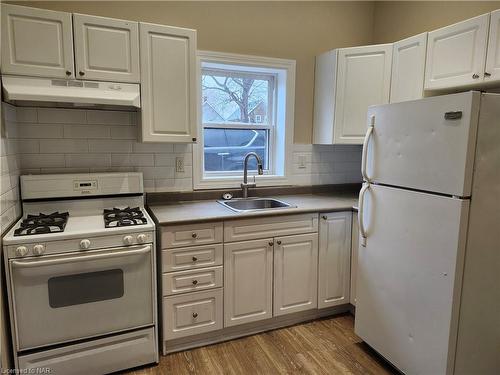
248, 280
295, 273
192, 313
334, 259
271, 273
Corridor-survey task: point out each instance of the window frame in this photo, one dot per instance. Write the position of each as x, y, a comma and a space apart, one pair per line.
280, 128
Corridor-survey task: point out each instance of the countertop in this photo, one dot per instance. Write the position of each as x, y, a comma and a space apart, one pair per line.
209, 210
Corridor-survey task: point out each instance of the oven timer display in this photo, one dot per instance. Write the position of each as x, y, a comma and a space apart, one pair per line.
85, 187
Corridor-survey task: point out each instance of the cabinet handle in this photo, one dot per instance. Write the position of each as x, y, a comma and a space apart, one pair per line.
475, 76
195, 315
68, 73
194, 235
194, 259
81, 73
271, 243
195, 282
194, 139
486, 74
278, 242
324, 217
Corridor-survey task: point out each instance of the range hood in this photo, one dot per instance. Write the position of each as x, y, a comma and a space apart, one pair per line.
70, 93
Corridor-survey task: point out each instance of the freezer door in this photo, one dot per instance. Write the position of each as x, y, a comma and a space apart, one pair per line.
409, 277
426, 144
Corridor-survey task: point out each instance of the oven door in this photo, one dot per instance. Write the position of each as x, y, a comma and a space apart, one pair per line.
60, 298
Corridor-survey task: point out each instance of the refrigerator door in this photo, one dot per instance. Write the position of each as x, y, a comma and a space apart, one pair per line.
426, 144
409, 277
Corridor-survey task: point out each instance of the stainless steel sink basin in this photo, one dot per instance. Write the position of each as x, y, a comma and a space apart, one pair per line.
254, 204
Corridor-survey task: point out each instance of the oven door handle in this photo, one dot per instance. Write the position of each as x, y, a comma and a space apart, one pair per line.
80, 258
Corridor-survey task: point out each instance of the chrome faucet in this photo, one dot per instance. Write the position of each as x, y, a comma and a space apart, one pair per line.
245, 185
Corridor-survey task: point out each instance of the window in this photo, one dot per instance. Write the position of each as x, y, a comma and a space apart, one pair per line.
246, 106
237, 118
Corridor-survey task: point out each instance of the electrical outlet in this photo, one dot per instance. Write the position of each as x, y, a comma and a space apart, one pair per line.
302, 161
179, 164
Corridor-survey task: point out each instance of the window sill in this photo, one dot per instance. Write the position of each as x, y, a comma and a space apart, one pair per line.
232, 182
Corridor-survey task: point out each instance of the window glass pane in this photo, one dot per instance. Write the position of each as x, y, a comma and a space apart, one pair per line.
85, 287
225, 149
229, 96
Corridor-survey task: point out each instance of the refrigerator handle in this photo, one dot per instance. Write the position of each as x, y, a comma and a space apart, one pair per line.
369, 132
361, 223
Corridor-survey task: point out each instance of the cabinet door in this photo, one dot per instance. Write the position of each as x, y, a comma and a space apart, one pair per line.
456, 54
334, 259
363, 79
106, 49
354, 257
325, 75
295, 273
492, 71
168, 83
36, 42
408, 68
248, 278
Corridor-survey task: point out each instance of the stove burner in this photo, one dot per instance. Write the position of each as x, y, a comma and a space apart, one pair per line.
121, 217
42, 223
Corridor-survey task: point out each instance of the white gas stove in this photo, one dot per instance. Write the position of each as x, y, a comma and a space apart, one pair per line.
81, 274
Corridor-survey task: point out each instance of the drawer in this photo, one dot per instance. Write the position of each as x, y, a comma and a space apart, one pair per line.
100, 356
192, 313
192, 280
186, 258
265, 227
191, 234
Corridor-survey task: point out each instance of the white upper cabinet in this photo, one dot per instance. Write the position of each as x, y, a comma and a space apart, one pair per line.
408, 68
36, 42
295, 273
168, 83
492, 71
348, 81
106, 49
334, 259
456, 54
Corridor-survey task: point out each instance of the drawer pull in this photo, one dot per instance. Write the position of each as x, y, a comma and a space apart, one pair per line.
324, 217
195, 282
271, 243
194, 235
194, 259
195, 315
278, 242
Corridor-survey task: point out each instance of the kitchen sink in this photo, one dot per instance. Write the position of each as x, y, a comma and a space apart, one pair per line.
254, 204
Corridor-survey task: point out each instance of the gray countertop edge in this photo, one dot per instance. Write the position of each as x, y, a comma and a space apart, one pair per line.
211, 211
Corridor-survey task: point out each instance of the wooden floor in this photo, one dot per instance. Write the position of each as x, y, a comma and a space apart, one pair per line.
327, 346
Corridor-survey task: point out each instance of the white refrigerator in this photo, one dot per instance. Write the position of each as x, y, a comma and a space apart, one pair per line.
428, 284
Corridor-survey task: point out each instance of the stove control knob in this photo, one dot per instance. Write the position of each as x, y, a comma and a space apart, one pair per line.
38, 249
22, 251
141, 238
128, 240
84, 244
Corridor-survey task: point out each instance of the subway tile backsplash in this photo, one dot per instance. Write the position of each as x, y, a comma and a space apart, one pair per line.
53, 140
10, 208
